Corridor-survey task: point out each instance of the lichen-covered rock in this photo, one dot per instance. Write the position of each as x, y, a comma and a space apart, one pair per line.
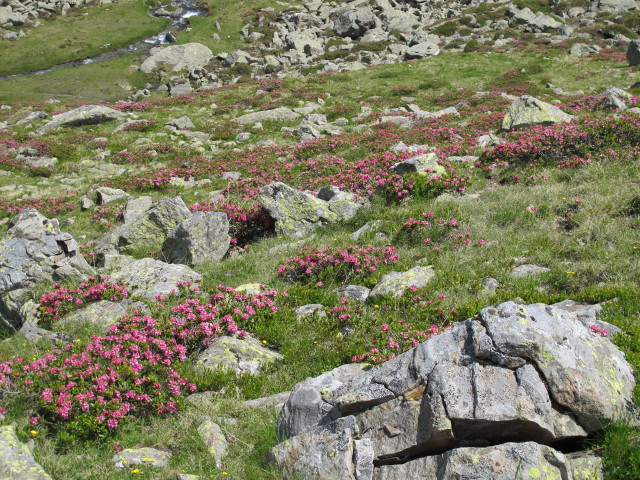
250, 288
203, 237
151, 457
295, 212
343, 204
149, 229
396, 283
136, 207
237, 355
527, 111
281, 114
422, 50
148, 277
277, 401
212, 436
500, 462
531, 374
34, 250
353, 292
425, 164
85, 115
527, 269
103, 314
16, 459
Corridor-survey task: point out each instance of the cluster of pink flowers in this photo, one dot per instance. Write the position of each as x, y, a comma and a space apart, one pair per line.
598, 331
397, 338
337, 264
93, 387
55, 305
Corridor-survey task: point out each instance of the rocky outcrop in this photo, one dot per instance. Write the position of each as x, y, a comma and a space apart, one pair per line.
85, 115
530, 374
203, 237
425, 165
34, 250
177, 57
527, 111
16, 458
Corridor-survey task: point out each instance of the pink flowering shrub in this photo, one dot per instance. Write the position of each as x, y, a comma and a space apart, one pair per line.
62, 301
340, 264
438, 233
89, 389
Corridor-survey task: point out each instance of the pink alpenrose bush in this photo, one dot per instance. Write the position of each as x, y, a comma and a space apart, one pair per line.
89, 389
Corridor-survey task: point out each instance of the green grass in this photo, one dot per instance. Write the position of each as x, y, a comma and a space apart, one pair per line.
79, 35
99, 82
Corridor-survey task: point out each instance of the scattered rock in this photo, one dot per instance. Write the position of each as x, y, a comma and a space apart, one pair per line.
310, 310
182, 123
150, 457
367, 227
422, 50
103, 314
136, 207
345, 205
528, 269
276, 401
212, 436
633, 53
106, 195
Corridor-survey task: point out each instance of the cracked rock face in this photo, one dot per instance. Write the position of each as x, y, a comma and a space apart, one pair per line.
34, 250
534, 375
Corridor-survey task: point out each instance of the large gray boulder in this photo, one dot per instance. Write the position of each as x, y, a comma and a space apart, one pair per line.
533, 22
203, 237
633, 53
177, 57
148, 229
281, 114
85, 115
16, 458
149, 278
34, 250
530, 374
295, 212
422, 50
527, 111
354, 22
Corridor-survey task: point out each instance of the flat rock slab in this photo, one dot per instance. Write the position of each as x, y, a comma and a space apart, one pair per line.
281, 114
396, 283
236, 354
16, 459
103, 314
212, 436
130, 457
85, 115
148, 277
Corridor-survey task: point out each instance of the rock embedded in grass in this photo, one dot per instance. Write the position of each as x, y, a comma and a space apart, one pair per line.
85, 115
528, 111
394, 284
237, 355
16, 458
147, 456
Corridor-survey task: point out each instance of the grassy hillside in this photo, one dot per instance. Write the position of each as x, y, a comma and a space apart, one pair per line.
563, 197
